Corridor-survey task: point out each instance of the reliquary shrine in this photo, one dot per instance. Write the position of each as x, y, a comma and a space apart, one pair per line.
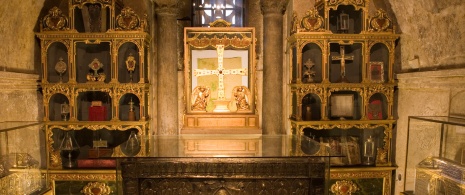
342, 90
220, 77
95, 90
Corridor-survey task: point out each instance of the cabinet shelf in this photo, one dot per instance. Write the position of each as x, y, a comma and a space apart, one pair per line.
342, 90
95, 81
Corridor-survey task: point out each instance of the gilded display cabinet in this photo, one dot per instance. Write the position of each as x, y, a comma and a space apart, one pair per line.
95, 85
342, 90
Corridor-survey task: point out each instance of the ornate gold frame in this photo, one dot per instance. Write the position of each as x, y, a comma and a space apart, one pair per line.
234, 40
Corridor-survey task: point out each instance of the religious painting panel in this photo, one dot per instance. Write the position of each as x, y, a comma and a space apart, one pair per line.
219, 70
376, 72
379, 61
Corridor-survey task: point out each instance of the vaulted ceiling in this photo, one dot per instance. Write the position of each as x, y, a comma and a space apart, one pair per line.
432, 32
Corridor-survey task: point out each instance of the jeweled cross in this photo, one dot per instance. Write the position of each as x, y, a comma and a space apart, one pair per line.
342, 57
220, 72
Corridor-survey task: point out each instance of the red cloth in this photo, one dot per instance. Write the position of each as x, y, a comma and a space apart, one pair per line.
97, 113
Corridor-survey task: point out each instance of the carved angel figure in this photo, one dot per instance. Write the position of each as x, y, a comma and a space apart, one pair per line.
241, 95
200, 97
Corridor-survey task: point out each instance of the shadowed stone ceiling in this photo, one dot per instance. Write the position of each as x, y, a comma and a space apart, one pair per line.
433, 32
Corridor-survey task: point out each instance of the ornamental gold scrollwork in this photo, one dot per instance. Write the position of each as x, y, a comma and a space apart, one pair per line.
128, 20
96, 127
220, 23
312, 21
137, 90
344, 187
138, 43
237, 40
58, 88
302, 44
47, 44
378, 89
380, 22
358, 4
55, 20
96, 188
83, 177
382, 156
101, 88
55, 159
344, 126
361, 174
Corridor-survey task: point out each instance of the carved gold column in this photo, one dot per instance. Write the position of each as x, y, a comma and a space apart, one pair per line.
273, 11
167, 81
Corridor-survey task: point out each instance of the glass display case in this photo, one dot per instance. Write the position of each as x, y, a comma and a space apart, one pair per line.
435, 162
22, 158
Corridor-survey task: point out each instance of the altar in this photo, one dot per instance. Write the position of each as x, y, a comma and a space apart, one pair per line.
247, 164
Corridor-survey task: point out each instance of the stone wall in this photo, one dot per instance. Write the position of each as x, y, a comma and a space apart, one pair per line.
17, 40
433, 33
19, 97
429, 93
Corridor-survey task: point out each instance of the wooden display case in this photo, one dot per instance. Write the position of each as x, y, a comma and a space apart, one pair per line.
342, 88
95, 84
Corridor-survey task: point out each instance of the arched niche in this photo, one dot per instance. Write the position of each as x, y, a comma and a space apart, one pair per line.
311, 63
92, 53
129, 107
94, 106
353, 24
378, 66
58, 107
353, 60
377, 107
128, 59
311, 107
57, 57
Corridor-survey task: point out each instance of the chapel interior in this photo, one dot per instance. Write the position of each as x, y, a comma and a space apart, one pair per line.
391, 82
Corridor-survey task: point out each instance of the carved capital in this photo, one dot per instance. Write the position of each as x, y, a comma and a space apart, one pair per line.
273, 6
167, 6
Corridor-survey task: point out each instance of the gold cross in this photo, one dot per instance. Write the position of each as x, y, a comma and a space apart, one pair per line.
342, 57
220, 72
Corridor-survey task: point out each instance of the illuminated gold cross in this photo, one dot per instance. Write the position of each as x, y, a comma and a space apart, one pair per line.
220, 72
342, 57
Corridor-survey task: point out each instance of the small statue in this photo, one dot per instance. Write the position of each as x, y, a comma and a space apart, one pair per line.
295, 23
241, 97
309, 73
200, 98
